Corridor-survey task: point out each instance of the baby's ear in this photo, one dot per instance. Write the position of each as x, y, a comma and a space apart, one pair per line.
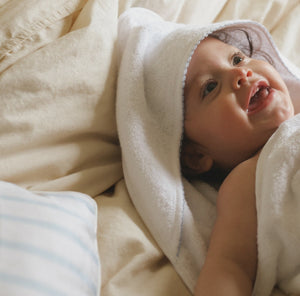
193, 159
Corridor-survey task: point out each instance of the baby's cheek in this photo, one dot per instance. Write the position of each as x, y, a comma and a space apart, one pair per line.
229, 120
281, 115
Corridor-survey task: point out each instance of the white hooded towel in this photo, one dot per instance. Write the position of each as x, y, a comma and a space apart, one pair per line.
154, 56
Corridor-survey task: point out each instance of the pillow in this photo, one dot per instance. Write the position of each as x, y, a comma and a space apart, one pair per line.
48, 243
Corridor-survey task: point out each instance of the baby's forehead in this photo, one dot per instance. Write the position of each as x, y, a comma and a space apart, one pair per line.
212, 42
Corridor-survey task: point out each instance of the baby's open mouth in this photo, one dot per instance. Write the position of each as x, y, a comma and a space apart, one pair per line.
257, 100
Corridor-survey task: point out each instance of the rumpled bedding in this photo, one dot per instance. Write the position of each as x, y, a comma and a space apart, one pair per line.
58, 74
57, 95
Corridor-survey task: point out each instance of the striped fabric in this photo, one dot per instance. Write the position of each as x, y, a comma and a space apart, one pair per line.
48, 243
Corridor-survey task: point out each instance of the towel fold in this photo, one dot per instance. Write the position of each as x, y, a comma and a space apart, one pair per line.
154, 56
278, 208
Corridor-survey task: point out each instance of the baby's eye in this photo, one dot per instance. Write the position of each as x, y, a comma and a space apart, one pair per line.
209, 87
237, 58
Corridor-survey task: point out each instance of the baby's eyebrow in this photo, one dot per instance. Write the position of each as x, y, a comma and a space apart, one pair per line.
197, 80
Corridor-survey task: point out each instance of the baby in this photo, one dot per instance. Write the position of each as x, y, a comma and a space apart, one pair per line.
239, 100
233, 104
202, 102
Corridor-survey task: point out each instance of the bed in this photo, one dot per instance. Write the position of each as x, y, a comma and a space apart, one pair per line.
58, 73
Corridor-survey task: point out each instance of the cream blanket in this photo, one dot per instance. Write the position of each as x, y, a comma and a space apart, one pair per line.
57, 79
278, 208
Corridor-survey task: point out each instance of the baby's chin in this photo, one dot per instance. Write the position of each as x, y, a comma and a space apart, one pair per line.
284, 114
279, 116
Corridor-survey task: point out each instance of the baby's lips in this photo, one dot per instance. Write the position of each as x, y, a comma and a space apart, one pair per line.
259, 97
256, 86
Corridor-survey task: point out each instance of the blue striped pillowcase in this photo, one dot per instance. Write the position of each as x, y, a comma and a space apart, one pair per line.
48, 243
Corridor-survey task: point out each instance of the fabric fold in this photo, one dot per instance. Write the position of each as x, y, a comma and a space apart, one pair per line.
278, 206
153, 59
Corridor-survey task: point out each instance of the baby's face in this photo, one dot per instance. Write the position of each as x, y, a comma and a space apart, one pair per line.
233, 103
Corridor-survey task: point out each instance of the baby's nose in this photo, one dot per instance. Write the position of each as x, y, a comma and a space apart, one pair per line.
240, 76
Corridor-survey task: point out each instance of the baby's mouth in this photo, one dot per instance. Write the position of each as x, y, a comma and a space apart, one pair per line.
258, 99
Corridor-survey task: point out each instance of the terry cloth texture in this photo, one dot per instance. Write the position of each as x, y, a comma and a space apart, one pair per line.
154, 55
278, 207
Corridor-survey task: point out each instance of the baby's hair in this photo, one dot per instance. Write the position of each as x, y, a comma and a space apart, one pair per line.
233, 37
228, 36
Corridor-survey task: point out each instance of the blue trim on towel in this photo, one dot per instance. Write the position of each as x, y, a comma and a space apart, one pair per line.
181, 227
